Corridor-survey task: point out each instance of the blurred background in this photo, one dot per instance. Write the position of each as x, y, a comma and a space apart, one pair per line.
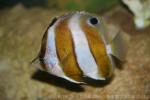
99, 5
22, 25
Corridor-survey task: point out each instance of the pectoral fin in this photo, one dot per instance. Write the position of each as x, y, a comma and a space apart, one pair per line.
118, 46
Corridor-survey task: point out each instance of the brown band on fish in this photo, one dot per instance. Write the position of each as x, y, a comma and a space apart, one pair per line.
65, 51
97, 48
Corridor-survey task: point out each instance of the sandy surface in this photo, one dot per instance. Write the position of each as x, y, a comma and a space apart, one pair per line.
21, 31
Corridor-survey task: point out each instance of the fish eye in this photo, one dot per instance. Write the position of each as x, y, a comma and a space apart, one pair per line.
93, 21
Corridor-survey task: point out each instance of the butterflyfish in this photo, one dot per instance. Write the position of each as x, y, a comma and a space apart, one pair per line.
75, 46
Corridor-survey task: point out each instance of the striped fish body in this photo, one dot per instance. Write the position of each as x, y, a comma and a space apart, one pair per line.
74, 47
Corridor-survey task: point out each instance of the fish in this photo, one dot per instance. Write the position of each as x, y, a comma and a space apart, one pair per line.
76, 45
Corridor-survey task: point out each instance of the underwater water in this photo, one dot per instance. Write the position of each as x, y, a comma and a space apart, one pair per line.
22, 26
